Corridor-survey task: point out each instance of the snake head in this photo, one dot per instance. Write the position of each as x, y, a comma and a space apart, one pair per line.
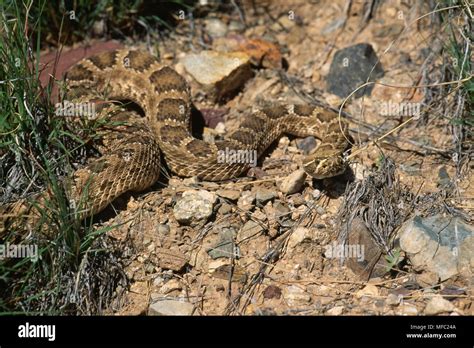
325, 165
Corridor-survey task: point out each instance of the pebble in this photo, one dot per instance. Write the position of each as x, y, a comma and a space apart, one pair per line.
298, 200
338, 310
438, 305
259, 215
171, 285
264, 195
171, 259
298, 236
220, 128
249, 229
293, 183
393, 300
298, 212
232, 195
194, 207
306, 145
369, 290
272, 291
215, 27
225, 247
407, 309
171, 307
225, 209
246, 200
296, 296
163, 229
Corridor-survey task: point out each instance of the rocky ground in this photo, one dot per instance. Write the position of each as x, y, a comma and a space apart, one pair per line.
267, 243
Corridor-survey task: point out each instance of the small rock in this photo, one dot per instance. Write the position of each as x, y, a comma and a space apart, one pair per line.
163, 229
192, 181
293, 182
215, 27
225, 209
412, 168
298, 236
306, 145
249, 230
214, 265
246, 200
221, 74
401, 290
393, 300
360, 237
298, 212
194, 207
360, 171
451, 290
236, 26
389, 30
335, 310
272, 291
320, 210
170, 307
232, 195
225, 247
334, 25
298, 200
296, 296
220, 128
427, 278
264, 195
286, 21
256, 172
259, 215
369, 290
223, 270
99, 27
316, 193
443, 178
171, 259
438, 305
171, 285
350, 68
439, 244
407, 309
158, 281
281, 210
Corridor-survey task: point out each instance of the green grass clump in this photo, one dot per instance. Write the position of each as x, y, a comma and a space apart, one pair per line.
36, 148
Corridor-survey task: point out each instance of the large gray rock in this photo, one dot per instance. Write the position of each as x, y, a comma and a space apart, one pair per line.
350, 68
439, 244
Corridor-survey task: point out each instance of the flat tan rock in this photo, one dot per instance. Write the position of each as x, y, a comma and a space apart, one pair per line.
219, 73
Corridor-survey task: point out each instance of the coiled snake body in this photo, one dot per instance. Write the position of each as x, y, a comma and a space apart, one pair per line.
131, 157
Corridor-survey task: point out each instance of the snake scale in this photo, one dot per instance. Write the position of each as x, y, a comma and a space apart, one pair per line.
132, 148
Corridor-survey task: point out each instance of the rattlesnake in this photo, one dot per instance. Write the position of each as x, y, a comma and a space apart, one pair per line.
131, 150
